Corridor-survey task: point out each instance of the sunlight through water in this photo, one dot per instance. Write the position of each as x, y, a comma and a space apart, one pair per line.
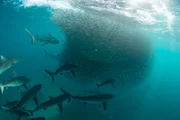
144, 11
153, 15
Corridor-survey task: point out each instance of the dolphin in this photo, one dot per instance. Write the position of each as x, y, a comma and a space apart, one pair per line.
31, 93
54, 101
93, 99
7, 63
15, 82
65, 67
46, 39
109, 81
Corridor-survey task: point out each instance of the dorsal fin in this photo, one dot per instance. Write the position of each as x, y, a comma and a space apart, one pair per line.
62, 90
14, 74
49, 34
3, 59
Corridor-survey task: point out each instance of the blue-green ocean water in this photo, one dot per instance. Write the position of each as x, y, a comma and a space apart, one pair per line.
156, 97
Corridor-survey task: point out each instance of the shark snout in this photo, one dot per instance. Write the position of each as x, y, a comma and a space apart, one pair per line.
38, 87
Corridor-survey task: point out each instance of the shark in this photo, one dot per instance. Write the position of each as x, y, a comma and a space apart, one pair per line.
65, 67
93, 99
9, 105
6, 64
21, 113
15, 82
45, 39
29, 94
59, 100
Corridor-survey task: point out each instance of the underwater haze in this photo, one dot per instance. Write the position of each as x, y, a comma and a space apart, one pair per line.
112, 59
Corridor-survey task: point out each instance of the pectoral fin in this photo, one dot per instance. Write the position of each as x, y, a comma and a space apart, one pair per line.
25, 86
60, 107
2, 88
14, 73
51, 74
17, 88
44, 43
46, 53
113, 85
35, 100
104, 105
73, 73
51, 97
3, 59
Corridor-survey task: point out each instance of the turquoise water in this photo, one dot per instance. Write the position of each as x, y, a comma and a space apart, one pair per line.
143, 56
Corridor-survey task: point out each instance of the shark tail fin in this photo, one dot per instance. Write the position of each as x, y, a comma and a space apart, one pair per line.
31, 35
2, 88
50, 73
